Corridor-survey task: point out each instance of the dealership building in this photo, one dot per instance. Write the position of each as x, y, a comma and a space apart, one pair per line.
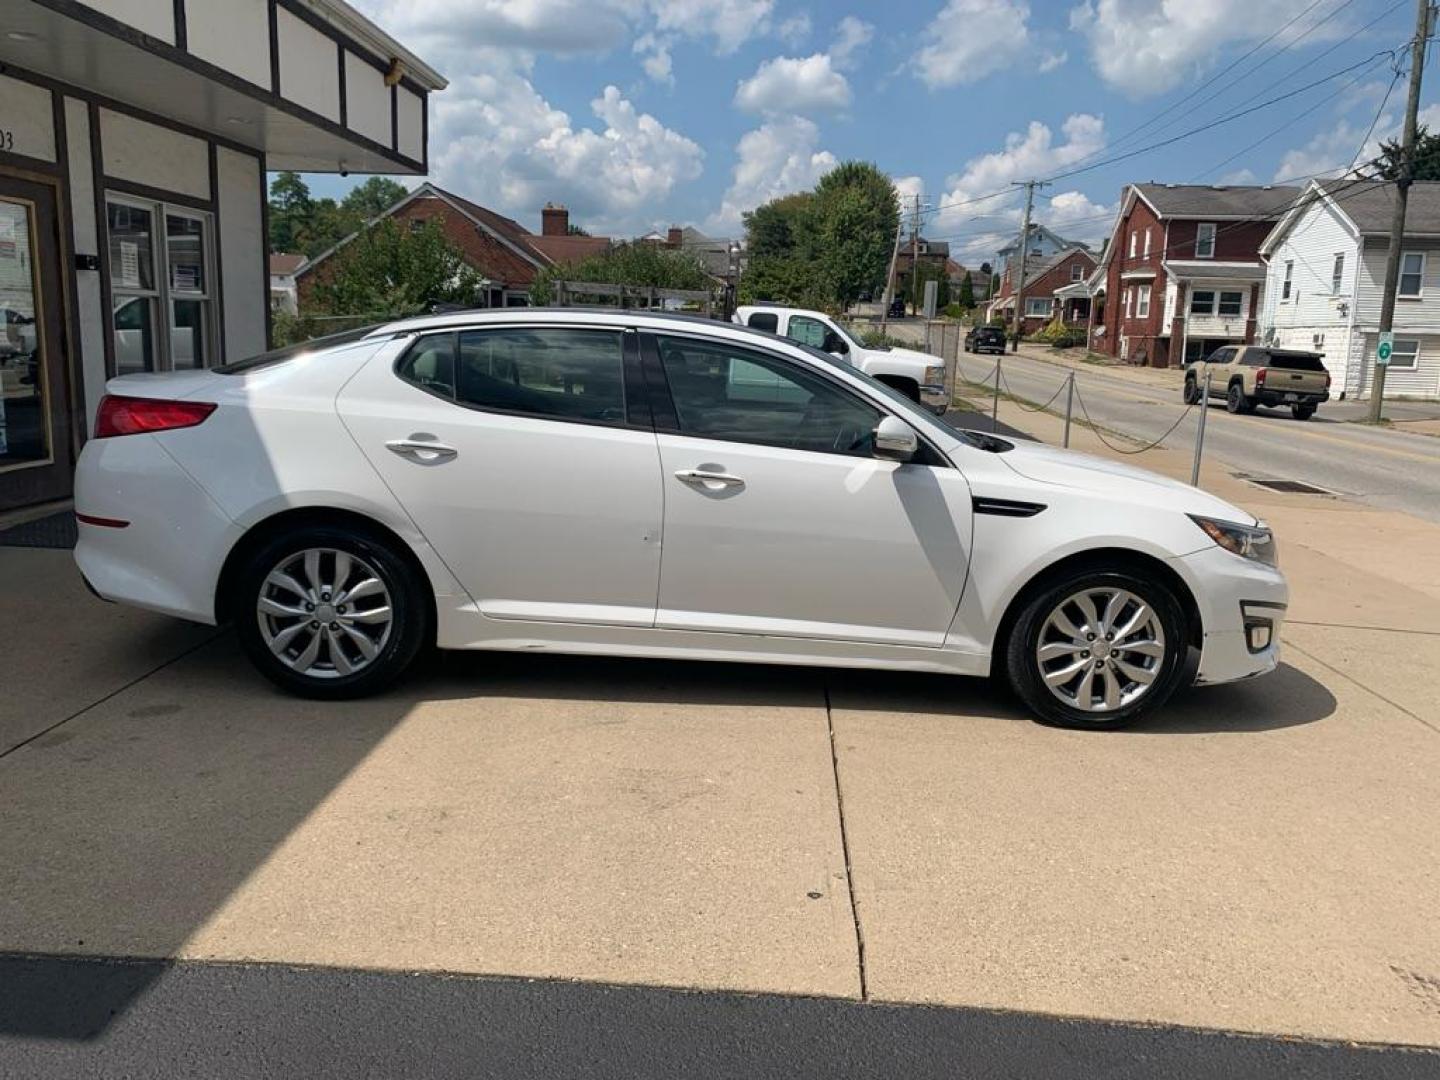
135, 136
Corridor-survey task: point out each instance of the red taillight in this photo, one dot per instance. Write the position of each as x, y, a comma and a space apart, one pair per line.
1327, 380
135, 416
1260, 377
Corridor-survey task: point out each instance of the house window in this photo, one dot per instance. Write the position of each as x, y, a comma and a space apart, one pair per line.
1231, 303
1037, 307
1406, 354
1289, 273
1337, 273
1202, 302
160, 274
1128, 290
1077, 271
1205, 240
1147, 243
1142, 302
1134, 242
417, 224
1412, 275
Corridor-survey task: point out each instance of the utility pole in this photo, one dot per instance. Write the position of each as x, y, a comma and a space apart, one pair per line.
915, 258
1029, 186
1402, 197
890, 277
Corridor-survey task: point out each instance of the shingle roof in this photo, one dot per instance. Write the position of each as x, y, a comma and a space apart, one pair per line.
282, 263
569, 249
1203, 200
1371, 205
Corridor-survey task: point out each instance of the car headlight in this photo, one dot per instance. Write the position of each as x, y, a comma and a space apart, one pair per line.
935, 376
1248, 541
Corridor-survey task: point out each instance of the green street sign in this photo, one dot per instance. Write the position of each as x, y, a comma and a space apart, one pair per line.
1384, 349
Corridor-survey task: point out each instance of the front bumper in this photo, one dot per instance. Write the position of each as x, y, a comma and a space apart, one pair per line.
1242, 607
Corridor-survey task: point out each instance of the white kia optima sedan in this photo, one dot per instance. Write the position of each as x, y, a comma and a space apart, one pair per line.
649, 485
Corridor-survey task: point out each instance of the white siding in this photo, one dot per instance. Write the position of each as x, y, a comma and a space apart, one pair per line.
231, 34
367, 100
1421, 381
27, 117
245, 276
1312, 244
309, 69
1217, 325
156, 156
88, 303
154, 17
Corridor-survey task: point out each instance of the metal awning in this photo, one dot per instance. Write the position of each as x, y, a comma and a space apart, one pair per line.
1200, 270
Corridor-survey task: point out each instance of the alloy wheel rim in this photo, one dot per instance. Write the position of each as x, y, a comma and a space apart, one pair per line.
325, 613
1100, 650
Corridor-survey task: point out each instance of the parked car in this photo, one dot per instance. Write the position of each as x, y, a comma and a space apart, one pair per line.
919, 376
510, 480
1250, 375
896, 309
981, 339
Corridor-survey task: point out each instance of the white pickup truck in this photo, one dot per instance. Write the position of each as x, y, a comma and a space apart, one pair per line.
919, 376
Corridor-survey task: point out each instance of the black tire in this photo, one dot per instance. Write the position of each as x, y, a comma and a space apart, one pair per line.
1302, 412
410, 628
1192, 391
1023, 668
1236, 401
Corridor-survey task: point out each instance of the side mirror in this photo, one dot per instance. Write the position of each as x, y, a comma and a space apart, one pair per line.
895, 440
834, 343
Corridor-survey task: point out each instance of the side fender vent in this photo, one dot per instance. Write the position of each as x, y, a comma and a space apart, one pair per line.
1005, 507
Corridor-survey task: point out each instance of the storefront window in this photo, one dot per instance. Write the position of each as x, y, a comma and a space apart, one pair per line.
24, 429
181, 289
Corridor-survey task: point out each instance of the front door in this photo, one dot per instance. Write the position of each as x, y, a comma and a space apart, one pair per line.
521, 456
779, 519
35, 447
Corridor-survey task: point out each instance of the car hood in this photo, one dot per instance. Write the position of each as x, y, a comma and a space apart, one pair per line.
1085, 472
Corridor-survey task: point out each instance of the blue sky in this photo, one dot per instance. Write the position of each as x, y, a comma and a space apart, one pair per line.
638, 114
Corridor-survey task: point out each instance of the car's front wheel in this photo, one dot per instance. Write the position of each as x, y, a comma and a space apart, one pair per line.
1192, 391
1098, 649
330, 612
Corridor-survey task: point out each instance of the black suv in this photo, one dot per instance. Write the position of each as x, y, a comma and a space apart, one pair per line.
985, 339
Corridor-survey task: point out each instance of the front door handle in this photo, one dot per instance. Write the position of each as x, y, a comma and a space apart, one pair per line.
708, 477
426, 453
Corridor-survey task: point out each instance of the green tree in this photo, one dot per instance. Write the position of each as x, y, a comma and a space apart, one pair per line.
781, 228
967, 292
575, 230
388, 271
924, 273
626, 264
291, 208
1427, 158
856, 212
373, 197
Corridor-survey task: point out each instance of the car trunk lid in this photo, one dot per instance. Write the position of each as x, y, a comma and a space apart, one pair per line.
1295, 372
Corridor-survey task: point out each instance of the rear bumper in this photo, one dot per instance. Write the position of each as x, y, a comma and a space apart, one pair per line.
1242, 607
168, 554
1290, 397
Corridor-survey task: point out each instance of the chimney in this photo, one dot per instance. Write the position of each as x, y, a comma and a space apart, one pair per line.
675, 237
554, 220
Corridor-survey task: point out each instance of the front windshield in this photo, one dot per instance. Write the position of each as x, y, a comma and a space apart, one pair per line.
845, 333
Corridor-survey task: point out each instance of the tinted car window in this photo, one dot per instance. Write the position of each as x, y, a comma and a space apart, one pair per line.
566, 374
1292, 361
764, 320
725, 392
430, 364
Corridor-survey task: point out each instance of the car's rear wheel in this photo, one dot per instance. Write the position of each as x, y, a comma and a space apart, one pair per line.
1302, 412
330, 612
1098, 649
1235, 400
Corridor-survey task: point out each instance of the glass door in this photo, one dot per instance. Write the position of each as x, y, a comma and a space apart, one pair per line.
35, 445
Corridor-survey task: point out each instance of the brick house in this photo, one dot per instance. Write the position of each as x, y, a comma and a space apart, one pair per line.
1054, 288
499, 248
1182, 274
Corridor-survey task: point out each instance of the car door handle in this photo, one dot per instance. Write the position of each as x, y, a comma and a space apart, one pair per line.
427, 453
706, 477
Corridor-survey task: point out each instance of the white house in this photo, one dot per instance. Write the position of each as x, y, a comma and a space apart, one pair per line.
284, 295
1326, 278
135, 138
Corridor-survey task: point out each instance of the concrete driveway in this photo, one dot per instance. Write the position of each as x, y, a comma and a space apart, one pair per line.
1261, 858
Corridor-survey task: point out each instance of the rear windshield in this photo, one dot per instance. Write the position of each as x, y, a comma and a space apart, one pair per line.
279, 356
1292, 361
989, 331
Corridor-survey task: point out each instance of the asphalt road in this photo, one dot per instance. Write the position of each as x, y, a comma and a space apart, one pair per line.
69, 1017
1389, 469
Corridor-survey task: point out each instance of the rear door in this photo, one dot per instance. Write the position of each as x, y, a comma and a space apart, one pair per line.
1294, 372
526, 456
779, 520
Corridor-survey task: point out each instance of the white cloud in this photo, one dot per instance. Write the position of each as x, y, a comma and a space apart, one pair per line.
1052, 60
655, 53
851, 36
970, 39
1237, 177
730, 22
778, 158
794, 30
794, 84
1145, 47
1076, 216
496, 140
907, 187
1330, 152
